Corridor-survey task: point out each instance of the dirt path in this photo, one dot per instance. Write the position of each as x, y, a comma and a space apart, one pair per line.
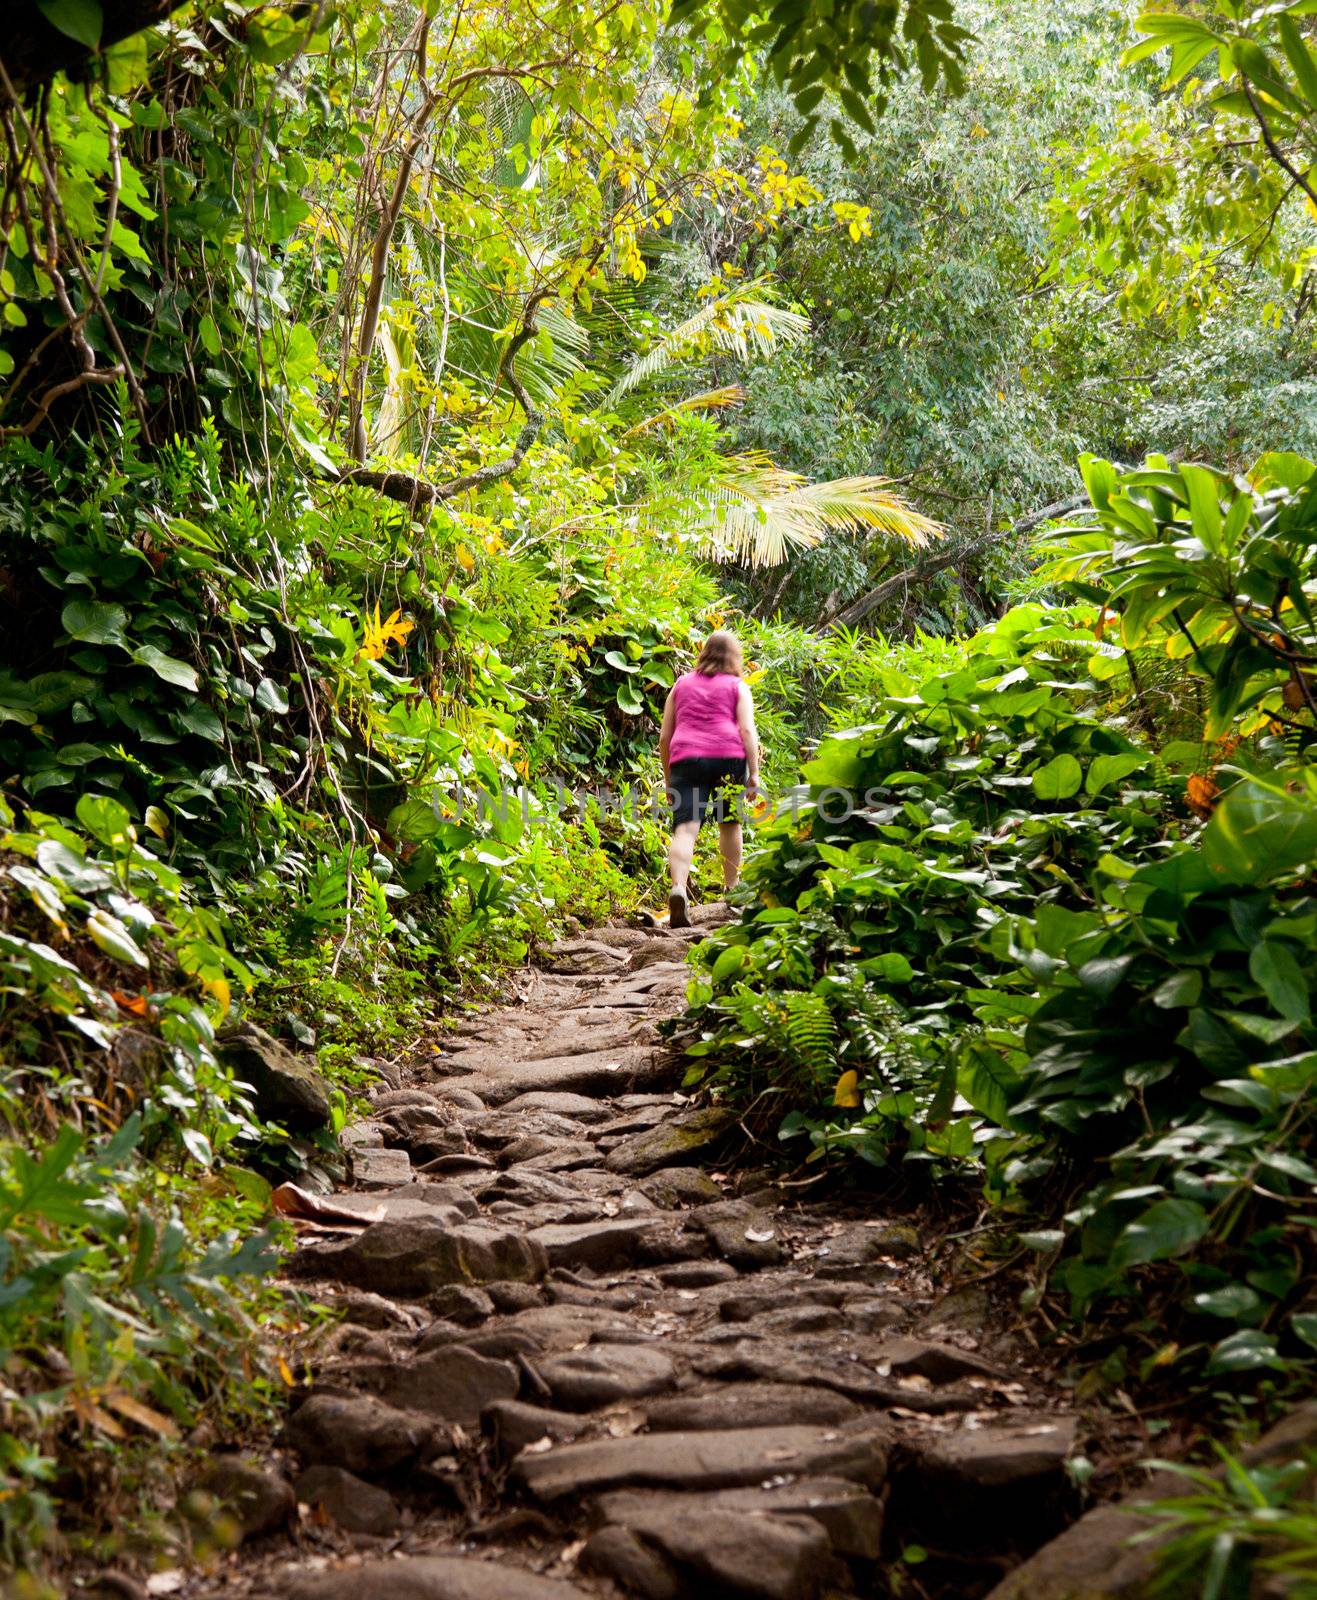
577, 1358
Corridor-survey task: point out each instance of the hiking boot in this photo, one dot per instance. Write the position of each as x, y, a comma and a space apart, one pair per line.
677, 914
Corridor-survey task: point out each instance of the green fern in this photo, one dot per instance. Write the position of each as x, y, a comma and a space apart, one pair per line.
800, 1027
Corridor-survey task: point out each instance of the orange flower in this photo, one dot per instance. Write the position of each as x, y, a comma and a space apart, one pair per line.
1202, 794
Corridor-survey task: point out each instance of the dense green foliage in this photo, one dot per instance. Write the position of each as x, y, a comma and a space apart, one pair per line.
992, 932
390, 401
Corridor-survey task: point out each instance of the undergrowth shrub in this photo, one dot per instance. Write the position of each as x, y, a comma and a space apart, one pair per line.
991, 934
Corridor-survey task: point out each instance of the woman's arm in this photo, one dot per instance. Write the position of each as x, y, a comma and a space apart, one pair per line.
665, 733
745, 721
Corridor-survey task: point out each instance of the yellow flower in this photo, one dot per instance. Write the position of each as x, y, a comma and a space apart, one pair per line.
379, 635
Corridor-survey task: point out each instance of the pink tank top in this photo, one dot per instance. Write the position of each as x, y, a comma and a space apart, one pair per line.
706, 717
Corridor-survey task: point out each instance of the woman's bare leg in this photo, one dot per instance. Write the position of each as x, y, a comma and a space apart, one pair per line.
681, 852
729, 844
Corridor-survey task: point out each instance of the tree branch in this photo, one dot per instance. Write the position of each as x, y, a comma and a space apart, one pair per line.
1273, 149
416, 492
849, 616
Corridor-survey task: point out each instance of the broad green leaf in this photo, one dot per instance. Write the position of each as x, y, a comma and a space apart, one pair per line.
1304, 1324
74, 871
1261, 831
1058, 779
1300, 57
105, 819
127, 64
1180, 990
271, 697
1280, 469
1245, 1351
79, 20
171, 670
987, 1081
197, 1145
1166, 1229
890, 967
1102, 975
1104, 770
1233, 1300
94, 621
1273, 966
1204, 505
110, 935
732, 960
1099, 479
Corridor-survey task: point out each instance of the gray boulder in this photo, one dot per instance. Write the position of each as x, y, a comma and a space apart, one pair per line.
355, 1505
415, 1255
289, 1089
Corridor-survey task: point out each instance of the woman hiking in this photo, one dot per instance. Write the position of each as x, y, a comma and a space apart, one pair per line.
708, 746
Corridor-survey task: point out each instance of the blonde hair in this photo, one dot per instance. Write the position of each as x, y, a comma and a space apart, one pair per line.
721, 652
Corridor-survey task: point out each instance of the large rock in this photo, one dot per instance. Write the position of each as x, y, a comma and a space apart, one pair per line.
700, 1461
532, 1188
357, 1432
355, 1505
729, 1552
368, 1310
514, 1425
740, 1233
598, 1072
697, 1274
289, 1089
748, 1405
580, 957
634, 1566
1005, 1455
542, 1152
850, 1516
462, 1303
419, 1254
749, 1304
766, 1362
681, 1141
674, 1187
578, 1107
373, 1167
259, 1499
453, 1383
421, 1578
601, 1246
602, 1374
427, 1131
1002, 1486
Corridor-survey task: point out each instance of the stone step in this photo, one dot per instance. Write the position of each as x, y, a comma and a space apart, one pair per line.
849, 1515
699, 1461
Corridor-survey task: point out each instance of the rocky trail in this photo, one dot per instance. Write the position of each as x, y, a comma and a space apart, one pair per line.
583, 1351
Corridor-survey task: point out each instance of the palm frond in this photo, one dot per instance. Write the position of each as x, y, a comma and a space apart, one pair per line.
739, 321
756, 512
731, 394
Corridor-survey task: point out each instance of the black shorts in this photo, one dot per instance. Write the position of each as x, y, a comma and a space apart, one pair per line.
706, 787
